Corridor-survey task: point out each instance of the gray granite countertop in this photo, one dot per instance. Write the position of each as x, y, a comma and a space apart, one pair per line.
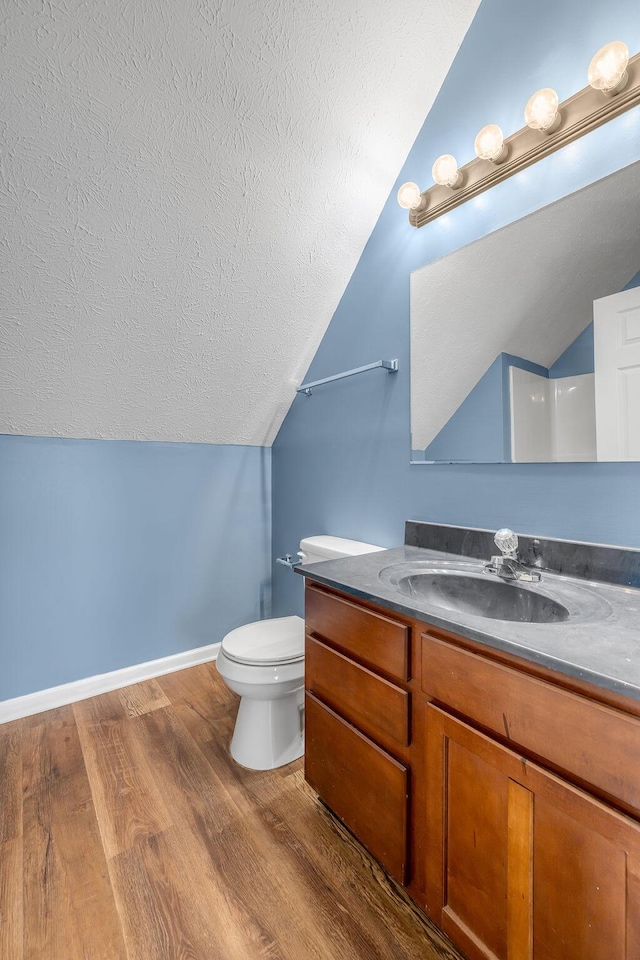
601, 648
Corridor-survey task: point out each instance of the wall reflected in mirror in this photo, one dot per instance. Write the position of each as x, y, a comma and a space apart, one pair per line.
511, 361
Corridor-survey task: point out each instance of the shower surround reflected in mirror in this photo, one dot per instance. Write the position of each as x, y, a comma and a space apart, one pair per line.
502, 337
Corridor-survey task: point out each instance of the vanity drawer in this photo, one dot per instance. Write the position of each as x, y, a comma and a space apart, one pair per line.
593, 743
364, 786
371, 638
377, 706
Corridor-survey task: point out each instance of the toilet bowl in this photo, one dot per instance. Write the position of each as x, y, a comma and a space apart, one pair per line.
263, 662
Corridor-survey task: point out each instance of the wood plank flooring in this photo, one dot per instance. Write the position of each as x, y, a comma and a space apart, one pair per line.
128, 833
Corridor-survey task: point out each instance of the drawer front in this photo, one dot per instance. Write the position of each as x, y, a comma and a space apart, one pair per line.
377, 706
375, 640
596, 744
365, 787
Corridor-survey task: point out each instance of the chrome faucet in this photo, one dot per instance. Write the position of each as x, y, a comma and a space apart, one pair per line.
508, 565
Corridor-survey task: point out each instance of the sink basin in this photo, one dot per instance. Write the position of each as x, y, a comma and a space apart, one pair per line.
481, 597
459, 590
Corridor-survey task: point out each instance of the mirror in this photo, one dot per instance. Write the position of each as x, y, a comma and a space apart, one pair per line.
502, 337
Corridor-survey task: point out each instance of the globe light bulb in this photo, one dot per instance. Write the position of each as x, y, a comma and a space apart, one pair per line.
541, 111
409, 196
445, 171
489, 144
608, 68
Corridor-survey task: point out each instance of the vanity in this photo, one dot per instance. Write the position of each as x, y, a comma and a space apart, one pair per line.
491, 765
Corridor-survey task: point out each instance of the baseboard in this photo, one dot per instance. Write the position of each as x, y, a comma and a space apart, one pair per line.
102, 683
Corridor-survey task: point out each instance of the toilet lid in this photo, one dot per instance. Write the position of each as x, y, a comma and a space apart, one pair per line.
280, 640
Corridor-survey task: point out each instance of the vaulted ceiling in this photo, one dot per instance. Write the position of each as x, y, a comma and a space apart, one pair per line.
186, 189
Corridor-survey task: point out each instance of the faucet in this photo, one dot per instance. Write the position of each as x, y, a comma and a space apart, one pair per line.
508, 566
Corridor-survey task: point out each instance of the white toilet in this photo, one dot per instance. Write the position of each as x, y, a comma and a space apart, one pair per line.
263, 662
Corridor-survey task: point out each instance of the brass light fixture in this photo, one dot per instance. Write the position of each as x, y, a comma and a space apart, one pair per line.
614, 87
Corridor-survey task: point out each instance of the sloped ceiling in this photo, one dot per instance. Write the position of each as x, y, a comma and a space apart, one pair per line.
186, 189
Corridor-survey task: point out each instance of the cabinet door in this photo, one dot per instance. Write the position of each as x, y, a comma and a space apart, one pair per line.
520, 864
366, 787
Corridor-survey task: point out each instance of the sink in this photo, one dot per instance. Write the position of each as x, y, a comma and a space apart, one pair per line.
482, 597
462, 590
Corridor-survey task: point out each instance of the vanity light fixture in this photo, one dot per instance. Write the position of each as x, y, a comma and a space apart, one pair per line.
614, 88
541, 111
445, 172
489, 144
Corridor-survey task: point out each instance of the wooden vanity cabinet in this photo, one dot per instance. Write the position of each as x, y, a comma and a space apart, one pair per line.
506, 796
530, 851
358, 722
521, 864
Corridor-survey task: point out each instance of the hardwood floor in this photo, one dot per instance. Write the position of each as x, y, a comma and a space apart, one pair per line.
126, 831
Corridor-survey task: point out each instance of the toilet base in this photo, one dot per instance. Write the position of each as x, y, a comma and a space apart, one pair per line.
269, 733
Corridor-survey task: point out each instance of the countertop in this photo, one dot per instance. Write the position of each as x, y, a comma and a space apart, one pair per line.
602, 648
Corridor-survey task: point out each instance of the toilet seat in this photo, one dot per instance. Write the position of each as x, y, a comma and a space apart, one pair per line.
266, 642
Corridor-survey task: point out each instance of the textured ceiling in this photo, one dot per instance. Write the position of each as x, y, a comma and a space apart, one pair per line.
527, 289
187, 187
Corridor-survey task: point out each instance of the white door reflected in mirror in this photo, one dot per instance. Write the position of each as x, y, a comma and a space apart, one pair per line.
616, 329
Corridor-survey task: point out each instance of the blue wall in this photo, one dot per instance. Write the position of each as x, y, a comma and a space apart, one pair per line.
117, 552
578, 358
474, 432
341, 459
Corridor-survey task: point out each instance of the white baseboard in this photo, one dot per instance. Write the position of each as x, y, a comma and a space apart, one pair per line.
102, 683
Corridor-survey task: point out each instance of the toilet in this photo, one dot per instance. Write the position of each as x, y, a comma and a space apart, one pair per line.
263, 662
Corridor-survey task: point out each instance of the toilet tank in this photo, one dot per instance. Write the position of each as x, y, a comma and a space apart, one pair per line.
316, 549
